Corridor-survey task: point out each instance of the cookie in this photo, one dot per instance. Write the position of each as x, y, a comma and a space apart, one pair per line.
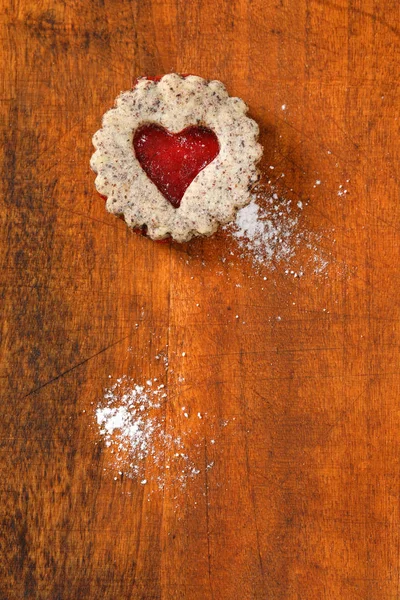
177, 156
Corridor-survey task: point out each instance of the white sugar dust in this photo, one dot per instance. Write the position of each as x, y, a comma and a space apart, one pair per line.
133, 424
270, 231
266, 231
130, 419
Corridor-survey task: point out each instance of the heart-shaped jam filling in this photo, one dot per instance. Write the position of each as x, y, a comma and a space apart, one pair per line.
172, 160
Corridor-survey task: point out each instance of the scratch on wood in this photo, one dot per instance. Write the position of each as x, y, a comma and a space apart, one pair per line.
50, 381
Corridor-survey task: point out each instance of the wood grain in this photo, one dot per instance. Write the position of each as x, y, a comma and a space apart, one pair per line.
303, 498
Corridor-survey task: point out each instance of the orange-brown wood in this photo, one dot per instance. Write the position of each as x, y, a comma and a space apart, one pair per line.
300, 392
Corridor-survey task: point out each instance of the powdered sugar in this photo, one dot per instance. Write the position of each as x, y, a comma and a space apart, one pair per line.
132, 422
266, 231
269, 231
125, 421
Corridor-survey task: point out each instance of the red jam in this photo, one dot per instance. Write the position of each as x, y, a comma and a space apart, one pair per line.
172, 160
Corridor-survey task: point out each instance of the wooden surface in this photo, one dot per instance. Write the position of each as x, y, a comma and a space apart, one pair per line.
303, 500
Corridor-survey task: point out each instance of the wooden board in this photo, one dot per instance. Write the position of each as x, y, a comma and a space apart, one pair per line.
300, 393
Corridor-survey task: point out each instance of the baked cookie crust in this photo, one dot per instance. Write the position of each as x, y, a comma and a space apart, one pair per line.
176, 102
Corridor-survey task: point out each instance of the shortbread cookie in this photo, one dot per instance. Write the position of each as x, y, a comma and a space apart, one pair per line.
177, 156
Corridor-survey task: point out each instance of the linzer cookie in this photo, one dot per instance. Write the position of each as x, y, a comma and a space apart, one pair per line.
177, 156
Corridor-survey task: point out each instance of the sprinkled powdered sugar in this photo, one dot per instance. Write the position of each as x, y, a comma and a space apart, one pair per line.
132, 422
269, 232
